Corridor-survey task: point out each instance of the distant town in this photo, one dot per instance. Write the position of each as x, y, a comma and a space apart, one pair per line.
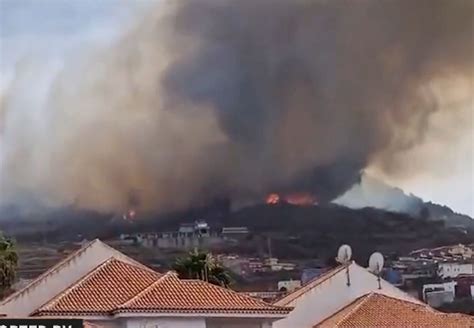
442, 277
438, 276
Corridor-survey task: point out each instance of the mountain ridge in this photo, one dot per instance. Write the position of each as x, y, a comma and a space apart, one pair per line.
372, 192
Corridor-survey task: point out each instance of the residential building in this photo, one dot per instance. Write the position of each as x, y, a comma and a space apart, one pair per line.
411, 268
273, 264
437, 294
254, 265
422, 252
108, 289
59, 277
454, 269
330, 292
351, 296
234, 233
449, 286
187, 237
459, 250
380, 310
289, 285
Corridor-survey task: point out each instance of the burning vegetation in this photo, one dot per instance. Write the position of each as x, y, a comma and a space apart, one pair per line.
296, 198
273, 199
130, 215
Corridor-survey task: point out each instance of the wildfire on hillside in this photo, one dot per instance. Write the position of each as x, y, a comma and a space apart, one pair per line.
273, 199
296, 198
302, 199
130, 215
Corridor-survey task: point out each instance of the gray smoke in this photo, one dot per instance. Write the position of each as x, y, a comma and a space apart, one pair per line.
222, 97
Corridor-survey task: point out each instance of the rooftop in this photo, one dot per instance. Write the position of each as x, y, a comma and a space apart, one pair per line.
107, 286
378, 310
116, 287
171, 294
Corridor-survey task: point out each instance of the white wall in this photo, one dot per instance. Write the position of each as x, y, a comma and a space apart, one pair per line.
452, 270
449, 286
166, 323
289, 285
334, 294
23, 304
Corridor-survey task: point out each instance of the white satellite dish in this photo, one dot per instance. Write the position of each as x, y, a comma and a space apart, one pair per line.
376, 266
376, 263
344, 254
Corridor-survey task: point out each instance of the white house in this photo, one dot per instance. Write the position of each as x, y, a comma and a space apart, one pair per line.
108, 289
59, 277
454, 269
289, 285
464, 251
449, 286
330, 292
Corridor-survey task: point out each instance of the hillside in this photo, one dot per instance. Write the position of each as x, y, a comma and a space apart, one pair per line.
295, 231
317, 231
371, 192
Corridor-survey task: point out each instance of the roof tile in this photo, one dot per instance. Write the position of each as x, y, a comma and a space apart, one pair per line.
119, 287
171, 294
378, 310
107, 286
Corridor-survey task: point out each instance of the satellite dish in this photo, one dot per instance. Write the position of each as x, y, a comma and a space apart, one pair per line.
344, 254
376, 263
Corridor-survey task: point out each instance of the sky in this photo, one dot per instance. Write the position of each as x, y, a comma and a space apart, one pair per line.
51, 31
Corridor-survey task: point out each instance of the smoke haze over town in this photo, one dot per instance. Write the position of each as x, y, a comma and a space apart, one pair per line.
189, 101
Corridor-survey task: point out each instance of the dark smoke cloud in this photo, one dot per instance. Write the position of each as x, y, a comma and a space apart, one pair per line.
222, 97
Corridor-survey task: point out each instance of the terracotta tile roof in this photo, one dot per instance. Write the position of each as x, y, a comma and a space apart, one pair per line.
61, 264
171, 294
50, 271
378, 310
119, 287
103, 289
310, 285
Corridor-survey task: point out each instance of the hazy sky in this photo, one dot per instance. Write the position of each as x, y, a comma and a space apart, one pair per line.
48, 31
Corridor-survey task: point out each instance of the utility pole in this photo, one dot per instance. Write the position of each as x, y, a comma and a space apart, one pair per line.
269, 245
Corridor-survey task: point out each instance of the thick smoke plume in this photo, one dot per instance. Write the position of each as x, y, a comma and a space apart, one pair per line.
212, 98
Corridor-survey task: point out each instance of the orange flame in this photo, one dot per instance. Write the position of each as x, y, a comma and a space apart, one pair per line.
130, 215
273, 199
299, 199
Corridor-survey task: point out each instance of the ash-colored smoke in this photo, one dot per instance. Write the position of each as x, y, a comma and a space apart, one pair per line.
222, 97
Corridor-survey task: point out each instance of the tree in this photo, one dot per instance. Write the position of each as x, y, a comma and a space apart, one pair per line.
203, 266
8, 264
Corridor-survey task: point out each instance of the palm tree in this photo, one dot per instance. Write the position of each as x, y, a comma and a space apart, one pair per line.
8, 264
203, 266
